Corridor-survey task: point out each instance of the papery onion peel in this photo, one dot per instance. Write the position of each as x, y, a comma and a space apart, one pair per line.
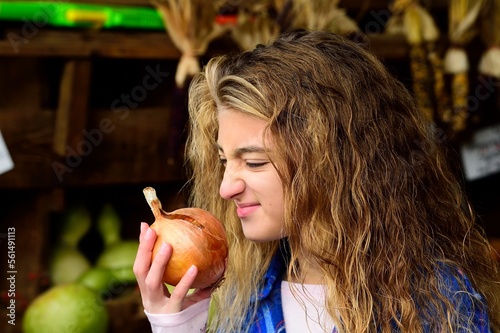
197, 238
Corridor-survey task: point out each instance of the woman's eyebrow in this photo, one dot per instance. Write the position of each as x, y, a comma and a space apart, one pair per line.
245, 150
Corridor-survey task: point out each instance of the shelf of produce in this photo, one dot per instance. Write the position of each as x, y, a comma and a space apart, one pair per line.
116, 147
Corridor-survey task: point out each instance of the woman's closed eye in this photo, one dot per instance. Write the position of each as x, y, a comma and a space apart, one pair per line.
254, 165
249, 164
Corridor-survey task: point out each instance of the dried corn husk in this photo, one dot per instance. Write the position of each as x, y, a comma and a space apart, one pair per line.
395, 24
490, 61
443, 109
255, 24
255, 6
279, 4
422, 80
253, 29
463, 15
412, 20
322, 15
191, 25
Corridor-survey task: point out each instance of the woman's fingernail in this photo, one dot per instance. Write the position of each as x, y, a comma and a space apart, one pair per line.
191, 270
149, 234
163, 248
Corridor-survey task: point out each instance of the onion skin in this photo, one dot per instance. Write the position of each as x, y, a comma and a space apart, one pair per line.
197, 238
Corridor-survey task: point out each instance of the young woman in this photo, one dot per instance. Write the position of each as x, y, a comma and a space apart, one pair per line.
340, 210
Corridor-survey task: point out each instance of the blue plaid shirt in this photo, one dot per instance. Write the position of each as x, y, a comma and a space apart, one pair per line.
270, 313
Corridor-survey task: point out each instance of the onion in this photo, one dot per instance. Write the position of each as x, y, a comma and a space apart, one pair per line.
197, 238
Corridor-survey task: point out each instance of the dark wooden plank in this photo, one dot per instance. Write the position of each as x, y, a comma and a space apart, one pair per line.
125, 147
71, 115
28, 136
117, 148
20, 84
389, 47
153, 45
53, 43
83, 43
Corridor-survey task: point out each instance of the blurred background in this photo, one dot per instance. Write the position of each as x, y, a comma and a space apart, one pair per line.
93, 109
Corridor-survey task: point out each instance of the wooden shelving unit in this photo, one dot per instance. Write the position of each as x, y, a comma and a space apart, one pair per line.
53, 130
77, 50
58, 94
58, 89
49, 42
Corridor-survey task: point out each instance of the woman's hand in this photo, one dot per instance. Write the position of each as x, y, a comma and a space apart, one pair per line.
155, 296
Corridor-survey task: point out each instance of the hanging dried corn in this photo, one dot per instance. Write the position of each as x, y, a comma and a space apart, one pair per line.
284, 15
410, 18
255, 24
490, 32
443, 108
322, 15
279, 5
191, 26
463, 15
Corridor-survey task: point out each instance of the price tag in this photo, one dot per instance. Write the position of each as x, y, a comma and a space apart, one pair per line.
481, 156
6, 163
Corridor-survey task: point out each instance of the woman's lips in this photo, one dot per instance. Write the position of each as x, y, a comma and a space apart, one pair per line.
244, 211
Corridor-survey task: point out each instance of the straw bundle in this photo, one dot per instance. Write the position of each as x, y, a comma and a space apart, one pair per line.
463, 15
421, 33
490, 61
191, 26
322, 15
280, 4
255, 24
252, 30
441, 95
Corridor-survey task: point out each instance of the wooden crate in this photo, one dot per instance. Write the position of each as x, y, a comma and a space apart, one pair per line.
48, 103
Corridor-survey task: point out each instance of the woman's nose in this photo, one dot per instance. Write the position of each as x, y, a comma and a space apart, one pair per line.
232, 184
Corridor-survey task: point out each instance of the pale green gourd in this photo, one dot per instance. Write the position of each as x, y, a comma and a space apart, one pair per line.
118, 254
67, 263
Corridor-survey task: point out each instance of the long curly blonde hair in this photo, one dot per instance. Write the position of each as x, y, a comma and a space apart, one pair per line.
368, 192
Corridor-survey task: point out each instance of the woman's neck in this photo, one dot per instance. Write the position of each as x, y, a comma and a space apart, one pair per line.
309, 272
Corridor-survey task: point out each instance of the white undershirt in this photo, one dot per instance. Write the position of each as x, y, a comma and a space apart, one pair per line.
307, 314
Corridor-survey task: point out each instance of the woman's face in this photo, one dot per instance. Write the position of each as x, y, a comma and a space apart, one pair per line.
250, 179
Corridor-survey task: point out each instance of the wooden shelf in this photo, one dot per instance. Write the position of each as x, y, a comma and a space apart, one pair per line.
132, 151
48, 89
40, 155
86, 43
141, 45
